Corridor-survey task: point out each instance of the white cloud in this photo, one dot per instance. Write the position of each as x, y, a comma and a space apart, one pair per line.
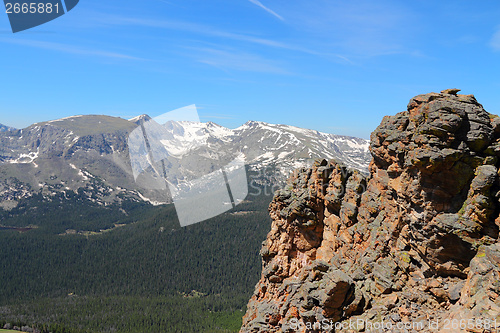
495, 41
206, 30
69, 49
229, 60
358, 29
270, 11
217, 116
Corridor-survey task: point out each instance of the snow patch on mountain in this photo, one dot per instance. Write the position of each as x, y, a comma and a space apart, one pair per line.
71, 118
26, 158
263, 144
92, 153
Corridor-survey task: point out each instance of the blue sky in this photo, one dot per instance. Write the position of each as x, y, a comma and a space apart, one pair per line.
333, 66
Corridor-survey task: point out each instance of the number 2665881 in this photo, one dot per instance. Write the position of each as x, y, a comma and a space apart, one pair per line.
31, 8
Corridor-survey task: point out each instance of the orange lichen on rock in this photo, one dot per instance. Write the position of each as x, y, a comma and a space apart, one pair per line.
416, 240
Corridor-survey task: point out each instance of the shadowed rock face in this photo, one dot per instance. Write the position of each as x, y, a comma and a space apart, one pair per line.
416, 241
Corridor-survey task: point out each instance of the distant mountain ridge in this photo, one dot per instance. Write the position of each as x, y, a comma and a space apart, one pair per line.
4, 128
90, 154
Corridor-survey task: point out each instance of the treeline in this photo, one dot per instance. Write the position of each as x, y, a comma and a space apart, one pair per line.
128, 314
72, 211
149, 258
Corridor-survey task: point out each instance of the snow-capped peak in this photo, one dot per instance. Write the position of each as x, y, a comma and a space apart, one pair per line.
262, 143
138, 119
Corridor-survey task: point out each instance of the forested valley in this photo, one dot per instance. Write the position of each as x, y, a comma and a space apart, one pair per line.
82, 267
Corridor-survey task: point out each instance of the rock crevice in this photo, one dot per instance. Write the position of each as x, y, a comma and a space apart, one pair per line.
415, 241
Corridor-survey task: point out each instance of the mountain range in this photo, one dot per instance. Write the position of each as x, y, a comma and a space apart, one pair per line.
4, 128
80, 225
90, 154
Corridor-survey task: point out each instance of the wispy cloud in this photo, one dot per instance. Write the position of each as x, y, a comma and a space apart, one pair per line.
270, 11
495, 41
184, 26
206, 30
165, 1
228, 60
217, 116
359, 29
65, 48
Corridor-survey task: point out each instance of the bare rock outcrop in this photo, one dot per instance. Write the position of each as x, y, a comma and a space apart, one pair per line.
414, 243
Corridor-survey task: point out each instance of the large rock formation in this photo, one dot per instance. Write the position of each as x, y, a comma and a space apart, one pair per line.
415, 246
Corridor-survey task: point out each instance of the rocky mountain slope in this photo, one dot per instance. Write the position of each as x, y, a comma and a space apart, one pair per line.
4, 128
82, 153
412, 247
90, 154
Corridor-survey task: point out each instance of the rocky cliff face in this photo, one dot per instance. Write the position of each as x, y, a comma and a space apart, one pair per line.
415, 243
